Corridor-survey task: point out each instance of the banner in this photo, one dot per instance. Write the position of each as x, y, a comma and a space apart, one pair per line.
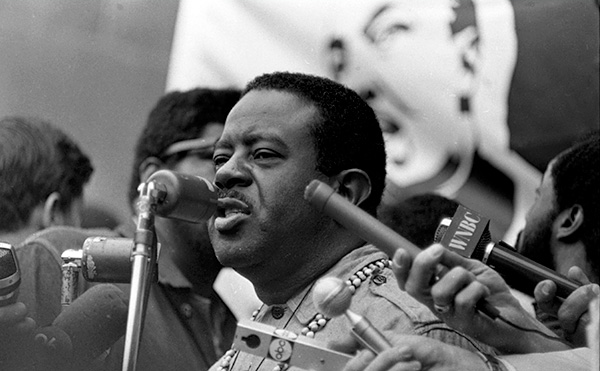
474, 96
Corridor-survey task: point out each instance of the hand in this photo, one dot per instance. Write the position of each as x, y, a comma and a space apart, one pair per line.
14, 321
572, 314
454, 295
418, 353
16, 334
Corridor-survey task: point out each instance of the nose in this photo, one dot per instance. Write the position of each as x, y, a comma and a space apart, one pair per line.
231, 174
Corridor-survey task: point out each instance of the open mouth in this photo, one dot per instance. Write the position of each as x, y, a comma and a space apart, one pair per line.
230, 213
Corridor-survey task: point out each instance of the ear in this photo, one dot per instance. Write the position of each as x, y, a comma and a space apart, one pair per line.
353, 184
467, 42
568, 222
148, 167
52, 214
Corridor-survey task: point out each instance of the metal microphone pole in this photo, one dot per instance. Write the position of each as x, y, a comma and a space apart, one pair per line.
144, 258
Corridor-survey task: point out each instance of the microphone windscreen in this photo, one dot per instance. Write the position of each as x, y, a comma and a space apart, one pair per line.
189, 198
94, 321
332, 296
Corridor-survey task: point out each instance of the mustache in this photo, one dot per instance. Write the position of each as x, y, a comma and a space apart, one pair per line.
231, 193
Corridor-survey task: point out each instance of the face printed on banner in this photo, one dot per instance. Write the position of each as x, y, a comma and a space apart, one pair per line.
264, 160
415, 63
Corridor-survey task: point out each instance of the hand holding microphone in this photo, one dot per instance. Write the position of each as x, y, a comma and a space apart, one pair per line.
94, 322
467, 286
467, 234
81, 333
457, 294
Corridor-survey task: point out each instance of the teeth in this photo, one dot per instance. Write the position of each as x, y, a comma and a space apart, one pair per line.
232, 211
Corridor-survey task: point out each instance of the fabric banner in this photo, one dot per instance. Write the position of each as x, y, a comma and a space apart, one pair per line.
474, 96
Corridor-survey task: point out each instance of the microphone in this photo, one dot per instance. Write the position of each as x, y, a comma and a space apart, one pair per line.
106, 259
467, 234
85, 329
10, 274
184, 197
327, 200
95, 321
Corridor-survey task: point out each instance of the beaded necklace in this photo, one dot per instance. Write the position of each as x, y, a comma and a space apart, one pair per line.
318, 321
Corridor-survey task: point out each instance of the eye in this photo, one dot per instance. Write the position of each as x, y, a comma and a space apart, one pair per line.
264, 154
220, 159
385, 34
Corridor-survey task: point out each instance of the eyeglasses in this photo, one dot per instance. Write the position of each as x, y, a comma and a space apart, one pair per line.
199, 147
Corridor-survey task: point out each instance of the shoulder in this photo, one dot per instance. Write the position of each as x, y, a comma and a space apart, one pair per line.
367, 271
62, 238
379, 291
379, 298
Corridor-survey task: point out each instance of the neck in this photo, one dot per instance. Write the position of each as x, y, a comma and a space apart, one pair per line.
277, 287
571, 255
278, 290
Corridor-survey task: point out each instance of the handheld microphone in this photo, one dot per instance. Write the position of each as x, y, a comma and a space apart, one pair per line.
95, 321
184, 197
467, 234
85, 329
10, 274
327, 200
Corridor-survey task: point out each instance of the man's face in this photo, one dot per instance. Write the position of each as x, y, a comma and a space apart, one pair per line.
536, 241
405, 61
264, 160
191, 239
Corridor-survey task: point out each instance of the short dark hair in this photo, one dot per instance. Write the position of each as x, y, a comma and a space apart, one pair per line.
178, 116
346, 134
418, 217
37, 159
575, 173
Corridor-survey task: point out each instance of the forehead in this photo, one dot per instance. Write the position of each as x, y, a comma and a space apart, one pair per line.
269, 113
423, 9
212, 130
205, 140
359, 15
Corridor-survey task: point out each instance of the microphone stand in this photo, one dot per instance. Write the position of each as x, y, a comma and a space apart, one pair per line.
144, 258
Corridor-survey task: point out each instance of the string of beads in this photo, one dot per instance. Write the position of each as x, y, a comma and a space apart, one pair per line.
319, 321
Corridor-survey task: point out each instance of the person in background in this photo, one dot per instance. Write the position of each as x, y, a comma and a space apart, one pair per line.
562, 230
561, 233
187, 325
185, 318
43, 173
